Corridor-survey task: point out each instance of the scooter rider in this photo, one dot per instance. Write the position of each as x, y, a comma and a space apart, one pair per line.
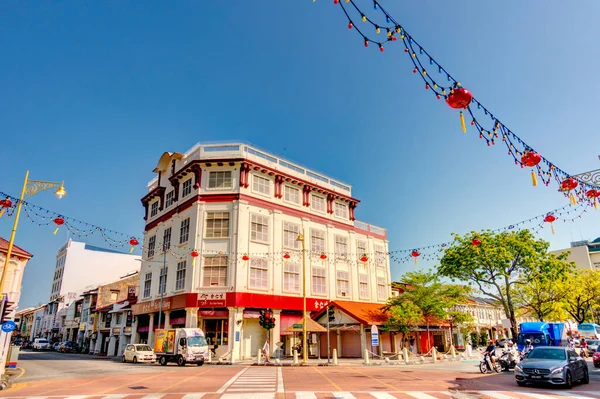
491, 351
528, 348
512, 353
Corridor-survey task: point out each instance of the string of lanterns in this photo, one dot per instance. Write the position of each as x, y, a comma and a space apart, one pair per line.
490, 128
114, 239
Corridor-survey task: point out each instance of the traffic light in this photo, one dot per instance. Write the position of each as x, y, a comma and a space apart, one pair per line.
266, 319
6, 308
331, 314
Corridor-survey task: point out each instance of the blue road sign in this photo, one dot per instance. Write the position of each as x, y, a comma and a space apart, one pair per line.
374, 336
9, 326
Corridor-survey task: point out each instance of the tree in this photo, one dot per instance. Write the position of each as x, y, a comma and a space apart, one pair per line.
403, 316
499, 264
425, 292
457, 318
582, 294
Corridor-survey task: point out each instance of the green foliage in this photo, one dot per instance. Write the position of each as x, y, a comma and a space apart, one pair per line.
503, 262
484, 336
583, 294
474, 339
403, 316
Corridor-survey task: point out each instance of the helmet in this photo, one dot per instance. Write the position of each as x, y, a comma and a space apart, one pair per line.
528, 341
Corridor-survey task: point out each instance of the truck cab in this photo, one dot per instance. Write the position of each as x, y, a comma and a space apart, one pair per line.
541, 334
181, 346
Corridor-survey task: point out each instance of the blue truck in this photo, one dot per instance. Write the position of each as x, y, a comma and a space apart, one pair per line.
542, 334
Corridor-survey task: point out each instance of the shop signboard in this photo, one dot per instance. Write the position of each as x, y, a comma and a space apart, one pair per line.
211, 300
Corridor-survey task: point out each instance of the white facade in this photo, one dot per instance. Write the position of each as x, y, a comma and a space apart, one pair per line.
14, 275
585, 254
242, 210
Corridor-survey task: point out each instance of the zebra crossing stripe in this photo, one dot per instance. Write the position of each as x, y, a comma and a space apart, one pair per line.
343, 395
232, 380
190, 396
306, 395
382, 395
497, 395
420, 395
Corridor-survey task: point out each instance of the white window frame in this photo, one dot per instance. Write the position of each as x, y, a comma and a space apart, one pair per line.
291, 277
289, 197
291, 231
322, 208
340, 210
341, 246
258, 277
382, 294
363, 286
186, 188
151, 246
342, 283
167, 234
320, 237
261, 185
321, 277
154, 209
379, 256
259, 228
212, 218
162, 280
218, 179
180, 276
184, 231
169, 198
222, 267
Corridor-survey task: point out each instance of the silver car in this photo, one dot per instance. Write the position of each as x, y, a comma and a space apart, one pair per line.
552, 365
592, 345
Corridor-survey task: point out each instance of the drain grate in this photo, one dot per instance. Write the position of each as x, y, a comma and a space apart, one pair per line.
138, 388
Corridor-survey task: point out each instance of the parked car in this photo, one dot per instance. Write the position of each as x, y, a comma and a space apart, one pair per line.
55, 346
68, 347
27, 345
593, 345
552, 365
138, 353
596, 359
41, 344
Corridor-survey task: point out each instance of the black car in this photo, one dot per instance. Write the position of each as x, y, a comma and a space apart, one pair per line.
552, 365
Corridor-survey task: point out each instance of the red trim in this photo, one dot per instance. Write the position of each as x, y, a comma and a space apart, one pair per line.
250, 300
187, 204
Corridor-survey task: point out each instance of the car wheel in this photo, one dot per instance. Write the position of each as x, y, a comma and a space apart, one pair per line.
200, 363
180, 361
162, 361
586, 377
135, 359
597, 365
521, 383
123, 359
568, 380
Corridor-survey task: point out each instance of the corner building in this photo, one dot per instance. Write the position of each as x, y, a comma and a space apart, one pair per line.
241, 211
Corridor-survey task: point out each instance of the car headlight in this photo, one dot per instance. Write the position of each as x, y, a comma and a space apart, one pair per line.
557, 371
519, 368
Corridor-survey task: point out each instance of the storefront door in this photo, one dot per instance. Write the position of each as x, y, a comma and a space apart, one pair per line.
216, 331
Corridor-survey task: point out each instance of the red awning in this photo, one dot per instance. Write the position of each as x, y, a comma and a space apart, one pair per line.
287, 320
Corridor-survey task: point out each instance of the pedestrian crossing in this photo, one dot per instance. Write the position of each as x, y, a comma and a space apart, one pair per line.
253, 380
235, 391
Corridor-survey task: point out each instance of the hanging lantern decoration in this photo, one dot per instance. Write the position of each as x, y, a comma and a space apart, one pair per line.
531, 159
4, 205
476, 242
567, 185
323, 257
133, 242
460, 98
550, 218
245, 258
364, 259
593, 195
286, 256
415, 254
194, 254
58, 222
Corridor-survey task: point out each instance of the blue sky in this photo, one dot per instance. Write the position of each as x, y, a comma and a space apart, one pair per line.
94, 92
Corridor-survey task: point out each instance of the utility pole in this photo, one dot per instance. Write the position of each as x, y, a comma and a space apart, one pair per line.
328, 345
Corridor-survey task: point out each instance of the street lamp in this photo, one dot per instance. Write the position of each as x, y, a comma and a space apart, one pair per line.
30, 188
304, 348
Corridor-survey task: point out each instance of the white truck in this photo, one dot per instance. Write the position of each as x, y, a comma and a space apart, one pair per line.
181, 346
40, 344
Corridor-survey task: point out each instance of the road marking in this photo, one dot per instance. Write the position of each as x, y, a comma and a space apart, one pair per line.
249, 396
536, 395
497, 395
191, 396
570, 395
336, 386
20, 375
381, 395
231, 381
343, 395
153, 396
306, 395
420, 395
113, 396
77, 397
280, 388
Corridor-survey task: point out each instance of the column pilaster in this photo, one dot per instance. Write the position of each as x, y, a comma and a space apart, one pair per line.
191, 317
151, 330
235, 333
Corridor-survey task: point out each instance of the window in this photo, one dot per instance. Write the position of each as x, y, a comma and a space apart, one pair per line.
154, 209
259, 273
259, 228
361, 248
151, 246
167, 239
382, 293
215, 271
114, 295
596, 265
220, 180
170, 199
117, 319
317, 241
217, 224
184, 231
291, 194
343, 283
379, 256
187, 188
261, 185
341, 210
291, 232
318, 203
180, 276
162, 281
363, 282
291, 277
341, 246
319, 280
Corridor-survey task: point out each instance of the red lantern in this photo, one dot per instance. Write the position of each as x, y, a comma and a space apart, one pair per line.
245, 258
286, 256
568, 184
323, 256
7, 203
364, 259
133, 242
550, 218
194, 254
59, 222
476, 242
459, 98
531, 158
591, 194
415, 254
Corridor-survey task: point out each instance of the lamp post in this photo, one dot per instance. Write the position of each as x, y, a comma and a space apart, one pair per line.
30, 188
304, 348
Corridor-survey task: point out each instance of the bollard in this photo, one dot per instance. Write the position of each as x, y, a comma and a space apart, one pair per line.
295, 353
259, 357
453, 352
367, 360
469, 351
335, 360
405, 351
434, 355
209, 356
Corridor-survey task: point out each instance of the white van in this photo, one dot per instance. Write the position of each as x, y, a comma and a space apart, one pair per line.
41, 344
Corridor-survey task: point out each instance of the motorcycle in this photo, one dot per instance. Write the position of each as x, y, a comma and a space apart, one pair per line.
505, 363
485, 365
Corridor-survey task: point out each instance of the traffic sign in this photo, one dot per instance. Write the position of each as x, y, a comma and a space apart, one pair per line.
9, 326
374, 336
